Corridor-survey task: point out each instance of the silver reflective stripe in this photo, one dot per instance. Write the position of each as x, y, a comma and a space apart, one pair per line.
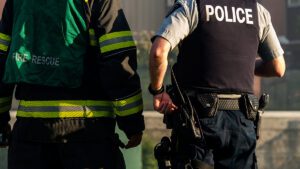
116, 40
130, 105
6, 43
65, 109
50, 108
99, 108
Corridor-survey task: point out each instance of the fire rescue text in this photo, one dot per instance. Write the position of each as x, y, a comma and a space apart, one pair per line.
39, 60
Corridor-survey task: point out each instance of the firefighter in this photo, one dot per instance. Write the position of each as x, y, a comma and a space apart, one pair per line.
218, 43
73, 66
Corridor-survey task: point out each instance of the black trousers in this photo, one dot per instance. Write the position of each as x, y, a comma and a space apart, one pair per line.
73, 155
230, 142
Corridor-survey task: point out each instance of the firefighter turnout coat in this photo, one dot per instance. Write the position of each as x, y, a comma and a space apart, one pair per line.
73, 65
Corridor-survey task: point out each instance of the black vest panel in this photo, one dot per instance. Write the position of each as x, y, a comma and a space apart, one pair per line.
220, 53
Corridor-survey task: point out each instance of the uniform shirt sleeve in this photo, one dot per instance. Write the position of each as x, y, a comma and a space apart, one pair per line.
269, 46
6, 28
6, 91
180, 22
112, 29
118, 65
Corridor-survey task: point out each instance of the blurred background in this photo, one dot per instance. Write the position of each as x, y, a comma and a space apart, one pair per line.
146, 16
279, 146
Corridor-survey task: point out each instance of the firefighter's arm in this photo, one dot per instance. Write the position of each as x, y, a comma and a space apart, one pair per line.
6, 90
118, 65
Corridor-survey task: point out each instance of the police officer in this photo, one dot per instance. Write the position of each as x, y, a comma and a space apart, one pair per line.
73, 63
218, 43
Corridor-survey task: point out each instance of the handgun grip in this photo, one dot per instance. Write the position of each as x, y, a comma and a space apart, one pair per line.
263, 101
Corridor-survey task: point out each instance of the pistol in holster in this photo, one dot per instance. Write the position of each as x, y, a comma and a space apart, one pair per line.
254, 108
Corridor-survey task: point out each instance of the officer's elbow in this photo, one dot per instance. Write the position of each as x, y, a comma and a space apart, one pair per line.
272, 68
157, 53
279, 73
160, 48
279, 66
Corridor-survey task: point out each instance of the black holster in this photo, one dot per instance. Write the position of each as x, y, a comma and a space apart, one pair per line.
254, 109
251, 105
184, 119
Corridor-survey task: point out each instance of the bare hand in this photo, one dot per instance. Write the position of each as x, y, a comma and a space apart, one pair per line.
134, 141
163, 103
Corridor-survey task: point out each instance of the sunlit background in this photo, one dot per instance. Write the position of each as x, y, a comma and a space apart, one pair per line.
278, 147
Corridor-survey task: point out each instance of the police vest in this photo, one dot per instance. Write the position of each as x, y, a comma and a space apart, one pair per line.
49, 40
220, 53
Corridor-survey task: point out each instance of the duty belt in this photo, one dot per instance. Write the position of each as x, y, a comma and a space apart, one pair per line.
222, 101
229, 101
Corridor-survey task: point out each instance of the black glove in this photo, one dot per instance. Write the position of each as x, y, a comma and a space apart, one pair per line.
5, 132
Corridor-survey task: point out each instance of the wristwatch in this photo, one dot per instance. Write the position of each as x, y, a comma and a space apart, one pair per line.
156, 92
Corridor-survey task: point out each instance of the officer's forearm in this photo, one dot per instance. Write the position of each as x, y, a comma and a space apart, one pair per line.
271, 68
158, 62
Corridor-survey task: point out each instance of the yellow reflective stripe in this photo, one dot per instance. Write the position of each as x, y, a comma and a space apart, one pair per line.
116, 46
66, 103
130, 111
116, 40
5, 37
5, 104
114, 35
93, 39
65, 109
92, 32
93, 42
3, 47
74, 114
129, 100
129, 106
5, 99
5, 108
